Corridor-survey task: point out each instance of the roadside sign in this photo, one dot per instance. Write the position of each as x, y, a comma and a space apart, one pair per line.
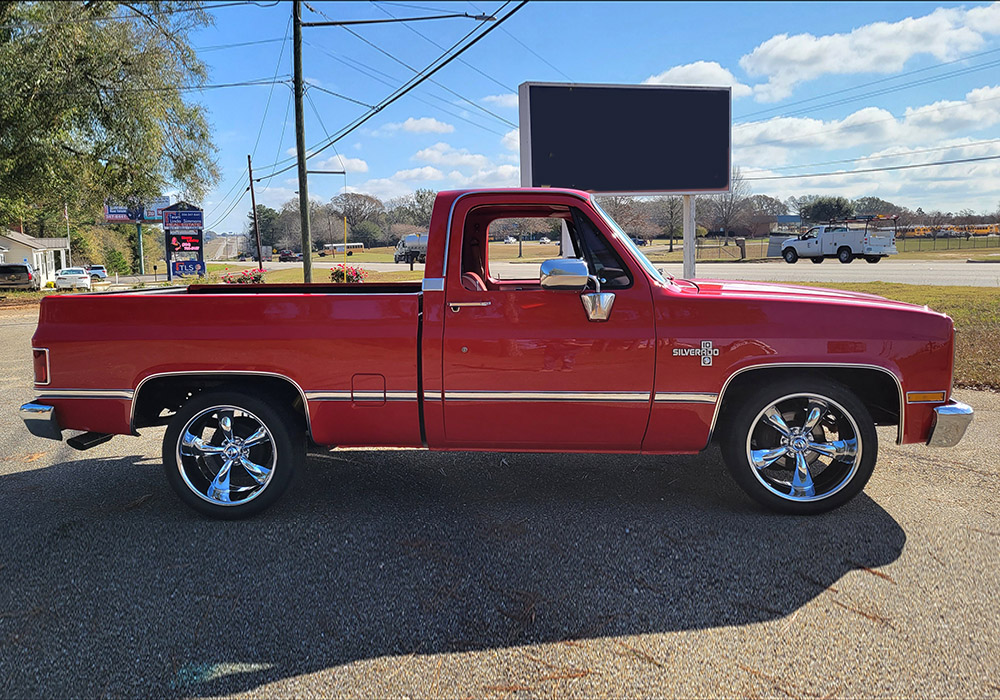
183, 219
154, 209
184, 242
115, 213
183, 268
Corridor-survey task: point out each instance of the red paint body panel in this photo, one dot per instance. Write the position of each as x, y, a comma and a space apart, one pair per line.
548, 379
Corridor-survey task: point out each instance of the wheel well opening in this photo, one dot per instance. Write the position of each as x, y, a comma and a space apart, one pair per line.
158, 399
876, 389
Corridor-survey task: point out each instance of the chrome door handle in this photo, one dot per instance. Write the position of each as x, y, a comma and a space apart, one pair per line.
456, 305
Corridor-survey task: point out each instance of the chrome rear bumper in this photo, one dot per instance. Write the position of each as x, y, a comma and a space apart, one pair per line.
41, 421
950, 422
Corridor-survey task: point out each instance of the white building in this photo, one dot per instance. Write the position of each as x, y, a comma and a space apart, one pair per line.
40, 253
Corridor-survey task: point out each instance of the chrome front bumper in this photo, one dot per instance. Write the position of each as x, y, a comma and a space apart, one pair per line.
950, 422
41, 421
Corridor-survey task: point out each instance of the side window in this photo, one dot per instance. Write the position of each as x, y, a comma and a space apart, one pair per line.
604, 262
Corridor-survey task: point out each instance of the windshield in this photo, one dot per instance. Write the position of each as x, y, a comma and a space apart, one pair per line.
627, 242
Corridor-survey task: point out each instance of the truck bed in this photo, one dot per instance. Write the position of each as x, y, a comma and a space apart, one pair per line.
349, 350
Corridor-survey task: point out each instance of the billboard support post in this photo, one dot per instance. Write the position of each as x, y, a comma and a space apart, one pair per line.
142, 257
689, 236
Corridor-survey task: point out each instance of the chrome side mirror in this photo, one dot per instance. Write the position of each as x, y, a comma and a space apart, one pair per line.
564, 273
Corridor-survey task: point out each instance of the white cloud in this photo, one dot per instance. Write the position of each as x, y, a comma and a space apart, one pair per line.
512, 140
493, 176
427, 172
775, 141
700, 73
881, 47
335, 162
944, 187
508, 100
445, 155
421, 125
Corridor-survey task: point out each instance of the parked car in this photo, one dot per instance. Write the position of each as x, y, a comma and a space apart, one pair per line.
509, 239
73, 278
18, 276
544, 240
789, 381
639, 241
289, 256
97, 272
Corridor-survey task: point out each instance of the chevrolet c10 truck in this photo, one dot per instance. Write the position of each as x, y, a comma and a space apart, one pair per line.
593, 351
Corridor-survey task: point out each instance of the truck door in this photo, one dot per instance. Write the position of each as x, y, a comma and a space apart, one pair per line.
524, 367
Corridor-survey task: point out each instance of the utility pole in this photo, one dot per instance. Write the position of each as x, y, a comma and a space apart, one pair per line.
300, 142
256, 229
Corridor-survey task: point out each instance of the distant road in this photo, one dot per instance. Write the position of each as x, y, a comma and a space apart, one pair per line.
903, 271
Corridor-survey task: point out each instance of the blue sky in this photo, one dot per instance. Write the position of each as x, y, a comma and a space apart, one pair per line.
803, 78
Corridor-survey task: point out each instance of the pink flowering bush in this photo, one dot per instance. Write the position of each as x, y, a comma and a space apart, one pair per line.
249, 276
347, 273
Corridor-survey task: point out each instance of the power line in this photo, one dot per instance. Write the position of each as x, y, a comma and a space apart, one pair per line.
876, 170
879, 157
414, 70
430, 70
314, 86
441, 48
447, 89
374, 73
219, 47
854, 125
523, 45
863, 85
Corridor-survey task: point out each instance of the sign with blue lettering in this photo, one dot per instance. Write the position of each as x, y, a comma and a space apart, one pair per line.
183, 219
181, 268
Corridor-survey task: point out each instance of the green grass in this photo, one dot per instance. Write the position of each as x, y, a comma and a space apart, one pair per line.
976, 312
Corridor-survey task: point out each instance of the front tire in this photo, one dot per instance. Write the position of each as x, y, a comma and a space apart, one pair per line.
230, 455
845, 255
790, 255
801, 446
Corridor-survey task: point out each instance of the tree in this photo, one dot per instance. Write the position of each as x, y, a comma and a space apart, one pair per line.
797, 204
413, 209
668, 214
95, 109
357, 208
267, 219
624, 210
763, 205
874, 206
730, 209
367, 232
827, 208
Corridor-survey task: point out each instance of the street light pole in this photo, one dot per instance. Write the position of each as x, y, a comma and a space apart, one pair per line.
300, 143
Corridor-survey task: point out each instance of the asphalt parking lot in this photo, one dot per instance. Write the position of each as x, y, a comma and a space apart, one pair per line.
405, 572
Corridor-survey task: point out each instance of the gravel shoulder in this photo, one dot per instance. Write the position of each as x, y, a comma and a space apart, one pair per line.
406, 572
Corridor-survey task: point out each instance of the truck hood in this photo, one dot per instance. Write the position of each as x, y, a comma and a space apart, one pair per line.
787, 292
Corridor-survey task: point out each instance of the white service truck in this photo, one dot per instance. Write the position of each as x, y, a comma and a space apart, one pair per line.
845, 240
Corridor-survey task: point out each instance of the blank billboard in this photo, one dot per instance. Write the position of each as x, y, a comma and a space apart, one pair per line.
625, 138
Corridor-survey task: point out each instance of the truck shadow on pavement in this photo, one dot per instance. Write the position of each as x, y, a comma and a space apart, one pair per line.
113, 587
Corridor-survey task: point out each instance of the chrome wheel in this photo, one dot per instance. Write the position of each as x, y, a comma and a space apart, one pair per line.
804, 447
226, 455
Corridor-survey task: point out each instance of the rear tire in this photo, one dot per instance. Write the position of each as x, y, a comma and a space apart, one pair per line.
230, 455
845, 255
873, 259
801, 446
817, 260
790, 255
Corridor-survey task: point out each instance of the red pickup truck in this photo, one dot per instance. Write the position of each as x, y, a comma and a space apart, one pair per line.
595, 351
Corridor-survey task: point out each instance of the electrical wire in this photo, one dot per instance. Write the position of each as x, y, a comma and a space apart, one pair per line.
880, 157
219, 47
314, 86
358, 36
374, 73
430, 70
875, 170
523, 45
441, 48
862, 85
